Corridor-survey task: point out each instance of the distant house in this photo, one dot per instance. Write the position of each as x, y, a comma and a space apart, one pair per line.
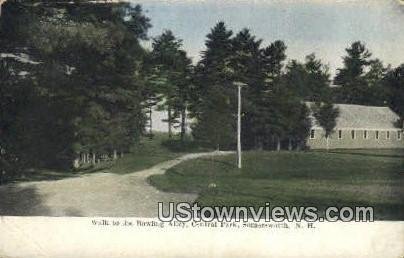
159, 123
360, 127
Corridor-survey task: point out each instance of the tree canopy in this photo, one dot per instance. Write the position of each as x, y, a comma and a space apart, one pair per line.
77, 83
85, 89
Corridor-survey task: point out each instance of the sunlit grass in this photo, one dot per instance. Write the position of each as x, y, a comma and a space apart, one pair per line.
343, 178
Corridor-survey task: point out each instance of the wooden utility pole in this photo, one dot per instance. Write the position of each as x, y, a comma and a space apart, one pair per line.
239, 85
239, 128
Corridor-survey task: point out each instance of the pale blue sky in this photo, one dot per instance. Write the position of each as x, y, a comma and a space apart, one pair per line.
325, 27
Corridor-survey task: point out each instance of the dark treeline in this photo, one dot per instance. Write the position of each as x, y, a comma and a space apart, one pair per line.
77, 86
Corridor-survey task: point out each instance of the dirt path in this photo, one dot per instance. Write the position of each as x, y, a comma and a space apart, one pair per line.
100, 194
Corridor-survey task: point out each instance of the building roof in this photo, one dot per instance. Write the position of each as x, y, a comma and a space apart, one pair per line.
363, 117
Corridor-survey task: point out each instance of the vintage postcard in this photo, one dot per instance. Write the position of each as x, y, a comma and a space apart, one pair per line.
201, 128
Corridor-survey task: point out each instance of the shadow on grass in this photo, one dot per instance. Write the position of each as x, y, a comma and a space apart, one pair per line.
40, 176
179, 146
381, 211
222, 162
94, 169
18, 200
45, 174
399, 154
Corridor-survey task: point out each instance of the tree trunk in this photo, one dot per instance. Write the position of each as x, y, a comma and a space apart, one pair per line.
290, 144
93, 161
183, 123
2, 177
328, 142
115, 155
258, 142
151, 120
121, 154
278, 144
169, 123
76, 163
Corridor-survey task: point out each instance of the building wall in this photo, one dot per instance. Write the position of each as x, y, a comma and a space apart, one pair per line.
359, 142
159, 125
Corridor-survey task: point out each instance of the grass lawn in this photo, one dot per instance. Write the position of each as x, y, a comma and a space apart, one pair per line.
147, 153
338, 178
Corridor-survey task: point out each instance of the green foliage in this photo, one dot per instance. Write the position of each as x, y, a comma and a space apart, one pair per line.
215, 126
214, 97
267, 99
394, 82
83, 89
310, 80
359, 80
273, 57
326, 115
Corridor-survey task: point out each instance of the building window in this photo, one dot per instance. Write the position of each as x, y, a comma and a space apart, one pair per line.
398, 135
365, 134
353, 134
377, 134
339, 134
388, 135
312, 134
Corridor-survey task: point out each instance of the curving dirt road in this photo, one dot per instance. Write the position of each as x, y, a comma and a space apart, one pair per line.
100, 194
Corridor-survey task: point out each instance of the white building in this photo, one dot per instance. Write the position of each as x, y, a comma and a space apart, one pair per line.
360, 127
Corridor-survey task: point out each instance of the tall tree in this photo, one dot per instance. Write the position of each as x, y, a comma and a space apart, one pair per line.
247, 68
173, 71
271, 64
213, 105
353, 88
